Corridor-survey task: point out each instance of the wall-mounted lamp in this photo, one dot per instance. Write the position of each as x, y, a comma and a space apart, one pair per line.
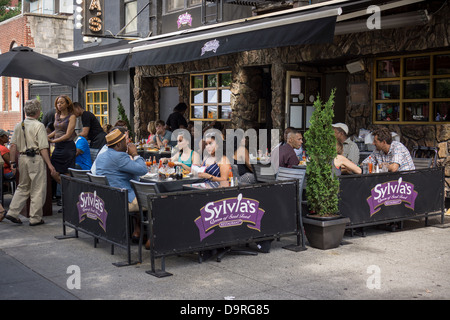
355, 67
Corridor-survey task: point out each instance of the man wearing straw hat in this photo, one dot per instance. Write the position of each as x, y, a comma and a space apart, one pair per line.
117, 165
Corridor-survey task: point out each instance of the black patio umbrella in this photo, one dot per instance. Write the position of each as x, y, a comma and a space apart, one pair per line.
23, 62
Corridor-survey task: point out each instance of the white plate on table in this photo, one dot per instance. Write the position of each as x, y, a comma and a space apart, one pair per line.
149, 175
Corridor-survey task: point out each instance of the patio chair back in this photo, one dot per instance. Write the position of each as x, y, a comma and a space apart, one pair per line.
79, 173
422, 163
263, 172
291, 173
98, 179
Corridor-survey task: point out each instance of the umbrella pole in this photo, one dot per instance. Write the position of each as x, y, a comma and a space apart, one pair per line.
23, 99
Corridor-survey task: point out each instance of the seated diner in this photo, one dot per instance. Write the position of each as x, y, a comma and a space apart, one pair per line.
392, 153
217, 167
185, 157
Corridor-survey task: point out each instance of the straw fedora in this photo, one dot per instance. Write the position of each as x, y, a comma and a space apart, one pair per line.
114, 137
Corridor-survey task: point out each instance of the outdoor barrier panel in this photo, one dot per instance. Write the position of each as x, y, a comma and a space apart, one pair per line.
386, 197
193, 221
98, 210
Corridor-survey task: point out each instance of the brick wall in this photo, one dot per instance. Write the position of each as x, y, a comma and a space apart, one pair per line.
13, 31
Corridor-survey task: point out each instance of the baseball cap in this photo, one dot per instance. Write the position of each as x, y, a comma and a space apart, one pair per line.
341, 125
3, 133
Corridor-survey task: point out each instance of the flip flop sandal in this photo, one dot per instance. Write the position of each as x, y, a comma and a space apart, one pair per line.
12, 219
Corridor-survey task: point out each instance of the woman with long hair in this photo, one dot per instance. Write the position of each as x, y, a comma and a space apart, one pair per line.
217, 168
63, 156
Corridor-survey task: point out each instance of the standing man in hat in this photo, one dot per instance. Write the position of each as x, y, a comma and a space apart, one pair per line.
351, 150
30, 140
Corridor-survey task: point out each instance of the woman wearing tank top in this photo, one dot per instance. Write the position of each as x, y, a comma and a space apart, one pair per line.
186, 157
63, 156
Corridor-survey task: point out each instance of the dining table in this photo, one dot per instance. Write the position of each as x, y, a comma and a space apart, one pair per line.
170, 184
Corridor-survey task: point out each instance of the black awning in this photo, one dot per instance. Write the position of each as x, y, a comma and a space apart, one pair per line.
182, 49
111, 57
248, 34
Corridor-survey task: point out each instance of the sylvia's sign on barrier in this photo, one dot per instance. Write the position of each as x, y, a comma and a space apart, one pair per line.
229, 212
92, 207
392, 193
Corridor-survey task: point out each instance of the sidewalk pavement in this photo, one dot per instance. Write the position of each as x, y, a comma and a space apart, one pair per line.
410, 264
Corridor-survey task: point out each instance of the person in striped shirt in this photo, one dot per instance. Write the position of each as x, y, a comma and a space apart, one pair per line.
217, 165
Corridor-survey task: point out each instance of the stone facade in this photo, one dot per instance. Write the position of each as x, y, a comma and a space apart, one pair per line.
246, 70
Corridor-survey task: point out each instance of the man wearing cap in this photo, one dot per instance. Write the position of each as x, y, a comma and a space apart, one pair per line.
117, 165
351, 150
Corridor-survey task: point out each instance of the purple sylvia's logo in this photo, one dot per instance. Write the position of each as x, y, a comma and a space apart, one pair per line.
230, 212
184, 19
392, 193
92, 207
212, 45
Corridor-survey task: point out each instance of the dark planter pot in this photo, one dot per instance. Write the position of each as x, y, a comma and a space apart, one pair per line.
325, 233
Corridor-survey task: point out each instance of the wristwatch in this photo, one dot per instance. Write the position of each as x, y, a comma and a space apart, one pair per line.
13, 165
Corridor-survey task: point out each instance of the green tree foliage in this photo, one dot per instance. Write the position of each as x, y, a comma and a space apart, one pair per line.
322, 187
6, 11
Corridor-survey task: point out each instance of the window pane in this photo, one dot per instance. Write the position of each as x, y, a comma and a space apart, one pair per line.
225, 79
104, 96
417, 89
105, 109
388, 112
388, 68
442, 88
198, 112
212, 112
197, 97
175, 5
212, 96
211, 80
442, 64
197, 81
226, 95
226, 112
388, 90
194, 2
130, 13
416, 111
98, 109
441, 110
417, 66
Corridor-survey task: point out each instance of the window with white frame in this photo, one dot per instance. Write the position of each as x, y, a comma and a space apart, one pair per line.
130, 9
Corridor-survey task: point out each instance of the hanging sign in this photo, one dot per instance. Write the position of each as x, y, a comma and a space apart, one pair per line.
93, 17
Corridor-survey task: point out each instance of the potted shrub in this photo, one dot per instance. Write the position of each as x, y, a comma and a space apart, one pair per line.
324, 227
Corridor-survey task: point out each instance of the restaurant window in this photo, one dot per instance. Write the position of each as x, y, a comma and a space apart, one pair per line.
210, 95
413, 89
130, 12
301, 92
97, 103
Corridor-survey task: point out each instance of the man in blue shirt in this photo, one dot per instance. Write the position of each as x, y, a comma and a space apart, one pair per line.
121, 163
83, 159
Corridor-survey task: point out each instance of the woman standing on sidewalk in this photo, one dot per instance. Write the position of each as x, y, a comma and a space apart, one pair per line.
63, 157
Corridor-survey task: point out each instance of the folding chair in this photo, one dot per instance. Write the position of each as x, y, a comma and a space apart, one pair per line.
98, 179
263, 172
79, 173
142, 190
